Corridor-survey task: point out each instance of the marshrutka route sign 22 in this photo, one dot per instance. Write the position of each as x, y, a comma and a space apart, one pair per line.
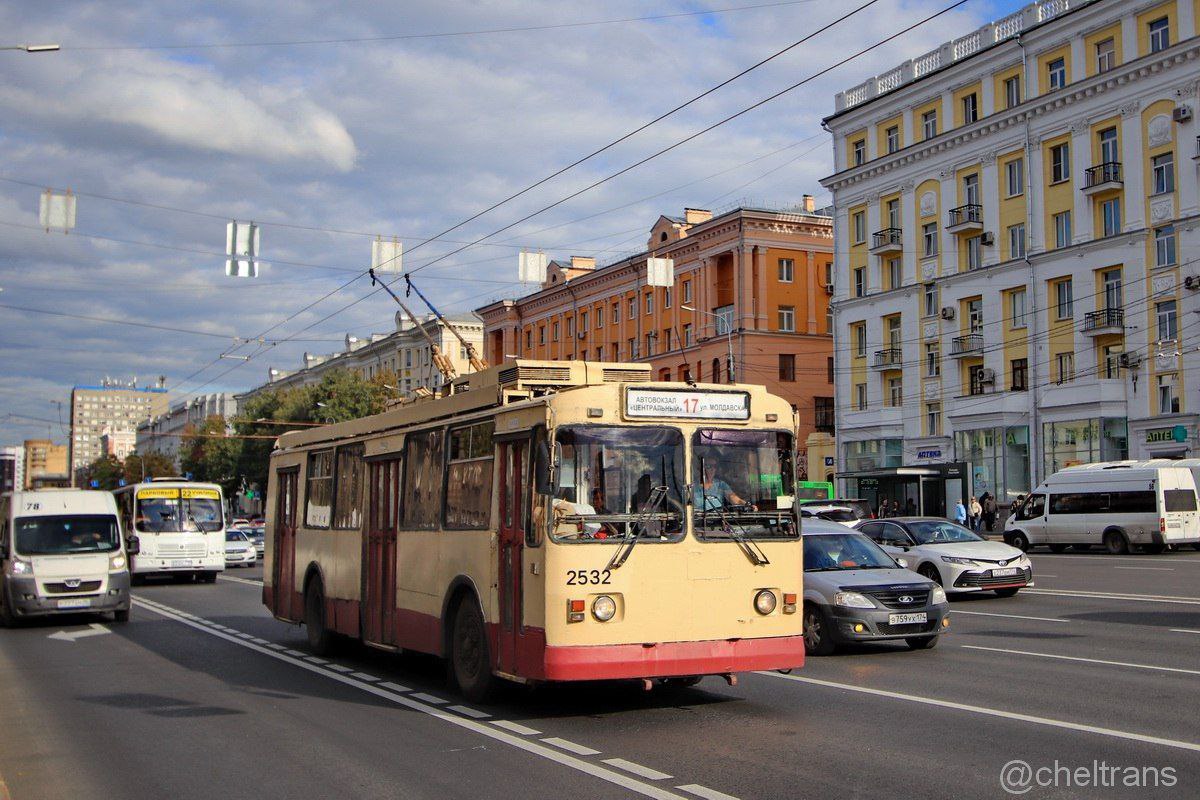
662, 403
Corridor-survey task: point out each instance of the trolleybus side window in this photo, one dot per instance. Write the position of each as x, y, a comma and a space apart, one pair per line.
318, 493
422, 501
469, 477
348, 483
742, 484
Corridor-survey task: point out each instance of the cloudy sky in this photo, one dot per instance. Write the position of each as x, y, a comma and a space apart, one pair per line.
400, 133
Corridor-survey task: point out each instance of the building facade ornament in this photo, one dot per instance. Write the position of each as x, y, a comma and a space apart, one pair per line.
928, 204
1160, 130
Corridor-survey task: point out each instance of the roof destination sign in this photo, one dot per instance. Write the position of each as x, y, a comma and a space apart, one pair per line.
661, 403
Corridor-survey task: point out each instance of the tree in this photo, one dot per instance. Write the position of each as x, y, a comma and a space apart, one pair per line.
140, 467
209, 455
106, 471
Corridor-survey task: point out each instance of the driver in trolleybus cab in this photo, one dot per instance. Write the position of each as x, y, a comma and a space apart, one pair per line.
713, 494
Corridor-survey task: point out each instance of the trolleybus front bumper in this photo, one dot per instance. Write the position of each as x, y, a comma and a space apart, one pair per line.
672, 659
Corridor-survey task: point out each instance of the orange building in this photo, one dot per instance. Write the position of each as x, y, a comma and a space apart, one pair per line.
753, 283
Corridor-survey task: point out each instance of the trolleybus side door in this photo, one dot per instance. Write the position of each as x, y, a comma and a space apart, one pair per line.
379, 560
513, 497
284, 578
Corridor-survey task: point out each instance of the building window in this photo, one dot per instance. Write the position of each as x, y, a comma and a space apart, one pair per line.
1012, 91
786, 270
1057, 72
600, 316
860, 227
829, 369
975, 379
823, 414
933, 360
649, 298
1168, 402
970, 105
616, 351
895, 388
687, 291
650, 344
1106, 54
933, 419
893, 213
570, 327
787, 319
860, 396
1113, 292
929, 236
631, 348
829, 273
970, 186
1164, 173
1062, 229
541, 340
1014, 172
1020, 374
1160, 34
1065, 363
1016, 241
1060, 162
929, 123
554, 332
1110, 214
860, 152
975, 315
1164, 246
667, 297
860, 281
1168, 323
1017, 308
687, 334
974, 252
895, 278
616, 313
931, 300
666, 339
633, 308
1064, 302
1112, 361
1109, 149
787, 367
893, 138
860, 340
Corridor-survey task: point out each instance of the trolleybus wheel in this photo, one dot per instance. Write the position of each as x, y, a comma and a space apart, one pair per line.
320, 638
469, 657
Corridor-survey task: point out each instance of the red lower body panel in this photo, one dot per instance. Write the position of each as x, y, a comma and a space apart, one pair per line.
609, 662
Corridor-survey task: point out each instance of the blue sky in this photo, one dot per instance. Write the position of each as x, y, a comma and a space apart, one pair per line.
396, 137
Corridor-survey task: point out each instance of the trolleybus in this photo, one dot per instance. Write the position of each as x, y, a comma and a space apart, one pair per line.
180, 527
548, 521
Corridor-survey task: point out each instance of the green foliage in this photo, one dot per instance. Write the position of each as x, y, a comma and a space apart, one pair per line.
108, 471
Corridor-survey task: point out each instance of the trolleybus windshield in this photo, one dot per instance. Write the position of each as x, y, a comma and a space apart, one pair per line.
742, 484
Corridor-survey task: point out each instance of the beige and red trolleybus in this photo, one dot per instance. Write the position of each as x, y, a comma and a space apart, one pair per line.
548, 521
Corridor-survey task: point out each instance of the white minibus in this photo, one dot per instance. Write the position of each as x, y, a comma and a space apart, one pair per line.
61, 551
1120, 505
180, 526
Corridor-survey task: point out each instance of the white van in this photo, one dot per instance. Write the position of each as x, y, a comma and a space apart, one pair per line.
61, 551
1121, 505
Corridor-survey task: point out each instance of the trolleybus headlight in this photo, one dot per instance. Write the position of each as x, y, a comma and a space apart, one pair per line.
764, 602
604, 608
117, 562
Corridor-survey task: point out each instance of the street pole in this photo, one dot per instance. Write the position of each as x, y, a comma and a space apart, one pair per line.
728, 339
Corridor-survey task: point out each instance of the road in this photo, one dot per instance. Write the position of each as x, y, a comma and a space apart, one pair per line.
202, 694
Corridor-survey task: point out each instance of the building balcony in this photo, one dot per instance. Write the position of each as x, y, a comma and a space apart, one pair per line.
968, 346
1102, 178
966, 219
1104, 322
886, 242
891, 358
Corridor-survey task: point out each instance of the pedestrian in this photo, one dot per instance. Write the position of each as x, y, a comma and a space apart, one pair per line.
910, 508
883, 508
989, 511
976, 514
960, 513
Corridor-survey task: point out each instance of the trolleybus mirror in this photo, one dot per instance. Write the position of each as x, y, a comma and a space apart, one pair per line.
545, 474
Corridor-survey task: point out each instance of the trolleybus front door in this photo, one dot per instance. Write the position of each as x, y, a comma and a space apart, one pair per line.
380, 557
284, 577
513, 497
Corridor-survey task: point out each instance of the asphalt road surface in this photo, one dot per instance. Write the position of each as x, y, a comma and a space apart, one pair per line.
1075, 688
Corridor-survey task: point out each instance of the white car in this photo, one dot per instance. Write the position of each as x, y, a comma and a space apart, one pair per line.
950, 554
239, 550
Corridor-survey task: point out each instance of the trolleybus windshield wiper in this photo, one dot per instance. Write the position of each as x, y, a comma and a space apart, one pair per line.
753, 552
635, 529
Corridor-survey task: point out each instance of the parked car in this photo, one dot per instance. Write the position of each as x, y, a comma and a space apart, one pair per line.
861, 508
959, 560
856, 592
239, 550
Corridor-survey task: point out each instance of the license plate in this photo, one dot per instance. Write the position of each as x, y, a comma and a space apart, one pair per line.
907, 619
1003, 573
81, 602
181, 562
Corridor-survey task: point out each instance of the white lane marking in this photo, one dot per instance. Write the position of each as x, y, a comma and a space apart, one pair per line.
395, 687
991, 712
705, 792
473, 713
334, 667
955, 612
275, 646
1182, 630
93, 629
571, 747
516, 727
1137, 598
409, 701
363, 676
246, 581
636, 769
1044, 575
1142, 559
315, 660
296, 653
245, 636
430, 698
1152, 569
1079, 658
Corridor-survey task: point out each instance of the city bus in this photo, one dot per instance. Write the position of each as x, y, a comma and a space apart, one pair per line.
180, 527
548, 521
